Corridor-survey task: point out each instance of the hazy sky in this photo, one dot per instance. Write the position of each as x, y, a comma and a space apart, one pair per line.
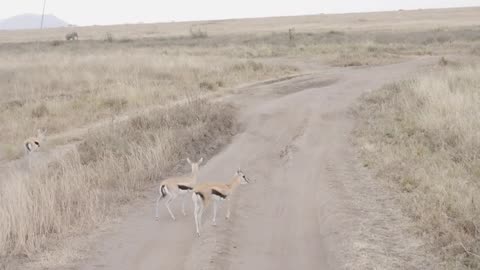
88, 12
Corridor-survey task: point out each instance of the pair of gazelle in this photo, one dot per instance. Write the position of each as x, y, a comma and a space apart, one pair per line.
202, 194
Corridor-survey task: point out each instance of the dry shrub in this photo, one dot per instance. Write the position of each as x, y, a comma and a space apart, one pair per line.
83, 189
443, 62
56, 43
198, 33
475, 49
248, 65
40, 110
353, 64
108, 37
207, 85
424, 135
115, 104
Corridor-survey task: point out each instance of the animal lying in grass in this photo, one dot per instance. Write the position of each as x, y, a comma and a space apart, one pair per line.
174, 187
32, 144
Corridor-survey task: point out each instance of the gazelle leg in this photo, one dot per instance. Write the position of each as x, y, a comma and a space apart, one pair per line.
195, 213
227, 216
214, 223
156, 205
167, 204
200, 215
183, 205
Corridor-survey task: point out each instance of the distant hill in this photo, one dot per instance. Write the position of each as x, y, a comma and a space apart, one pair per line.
31, 21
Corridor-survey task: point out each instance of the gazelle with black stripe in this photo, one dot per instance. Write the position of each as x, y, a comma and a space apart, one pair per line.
205, 192
32, 144
177, 186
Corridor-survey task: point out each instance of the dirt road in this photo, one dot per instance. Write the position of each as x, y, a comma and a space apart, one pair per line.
312, 206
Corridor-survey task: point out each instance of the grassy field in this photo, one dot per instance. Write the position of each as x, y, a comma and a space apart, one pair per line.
60, 85
111, 167
46, 82
70, 85
423, 136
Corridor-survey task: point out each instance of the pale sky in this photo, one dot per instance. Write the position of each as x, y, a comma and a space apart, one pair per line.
101, 12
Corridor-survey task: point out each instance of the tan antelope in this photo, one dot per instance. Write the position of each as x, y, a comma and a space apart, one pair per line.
32, 144
177, 186
205, 192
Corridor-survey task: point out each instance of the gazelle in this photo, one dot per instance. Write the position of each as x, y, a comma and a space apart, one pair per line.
33, 143
205, 192
177, 186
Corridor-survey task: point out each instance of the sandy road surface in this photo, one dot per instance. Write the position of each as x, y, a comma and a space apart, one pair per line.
303, 212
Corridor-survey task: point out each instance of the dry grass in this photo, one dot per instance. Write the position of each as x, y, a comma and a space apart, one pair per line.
424, 136
46, 82
69, 86
415, 20
82, 190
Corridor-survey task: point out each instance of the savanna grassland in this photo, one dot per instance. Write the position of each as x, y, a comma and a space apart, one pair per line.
421, 134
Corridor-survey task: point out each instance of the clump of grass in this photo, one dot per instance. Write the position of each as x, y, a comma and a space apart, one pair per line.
353, 64
109, 37
424, 135
443, 62
56, 43
84, 188
115, 104
198, 33
40, 111
207, 85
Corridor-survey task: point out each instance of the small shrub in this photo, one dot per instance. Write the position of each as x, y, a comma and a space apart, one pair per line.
443, 62
40, 111
14, 104
220, 83
475, 50
291, 34
353, 64
198, 33
333, 32
109, 37
56, 43
115, 104
207, 85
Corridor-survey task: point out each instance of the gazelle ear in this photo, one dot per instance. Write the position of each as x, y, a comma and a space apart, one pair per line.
200, 160
189, 162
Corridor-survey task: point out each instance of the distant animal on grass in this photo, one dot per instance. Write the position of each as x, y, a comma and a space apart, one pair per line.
32, 144
71, 36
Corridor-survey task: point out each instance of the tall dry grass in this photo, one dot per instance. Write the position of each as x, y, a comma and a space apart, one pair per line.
84, 188
72, 85
424, 136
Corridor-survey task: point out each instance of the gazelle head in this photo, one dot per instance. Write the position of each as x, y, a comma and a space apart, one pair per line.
195, 165
243, 178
